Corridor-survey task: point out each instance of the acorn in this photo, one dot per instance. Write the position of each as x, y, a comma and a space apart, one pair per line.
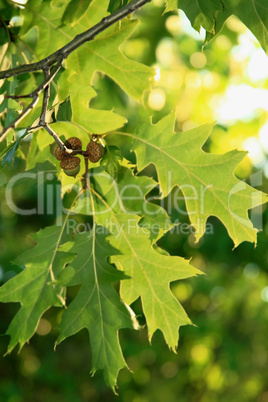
95, 151
71, 166
73, 143
57, 152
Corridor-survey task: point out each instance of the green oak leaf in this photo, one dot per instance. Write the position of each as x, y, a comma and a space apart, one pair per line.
104, 54
212, 14
125, 195
47, 17
111, 160
97, 306
253, 13
80, 92
150, 276
206, 180
33, 288
101, 54
160, 307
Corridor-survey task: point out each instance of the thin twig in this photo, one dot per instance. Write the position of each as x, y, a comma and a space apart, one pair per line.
86, 184
17, 121
35, 96
46, 96
56, 138
18, 96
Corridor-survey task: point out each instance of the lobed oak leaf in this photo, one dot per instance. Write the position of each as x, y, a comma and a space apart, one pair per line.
206, 180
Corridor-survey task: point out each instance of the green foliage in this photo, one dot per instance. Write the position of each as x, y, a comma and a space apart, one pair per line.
8, 152
105, 55
123, 204
197, 173
213, 14
97, 306
151, 274
116, 4
34, 287
74, 11
111, 160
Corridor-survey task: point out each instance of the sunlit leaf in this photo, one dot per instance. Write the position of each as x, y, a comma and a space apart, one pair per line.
212, 15
151, 274
33, 288
207, 181
97, 306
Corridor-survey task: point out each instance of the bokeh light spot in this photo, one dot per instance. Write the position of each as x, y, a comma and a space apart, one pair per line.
258, 66
215, 378
251, 271
173, 24
141, 376
169, 369
157, 76
198, 60
264, 294
44, 327
200, 353
30, 365
223, 42
241, 102
157, 99
164, 53
182, 291
263, 137
254, 149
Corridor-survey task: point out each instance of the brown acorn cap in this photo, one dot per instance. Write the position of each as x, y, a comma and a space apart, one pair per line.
73, 143
59, 154
71, 166
95, 151
70, 162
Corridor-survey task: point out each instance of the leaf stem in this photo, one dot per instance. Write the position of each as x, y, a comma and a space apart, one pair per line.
86, 184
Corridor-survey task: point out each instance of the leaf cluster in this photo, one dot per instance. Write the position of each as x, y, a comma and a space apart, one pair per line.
117, 260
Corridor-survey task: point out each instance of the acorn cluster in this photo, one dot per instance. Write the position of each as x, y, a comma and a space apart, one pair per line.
70, 163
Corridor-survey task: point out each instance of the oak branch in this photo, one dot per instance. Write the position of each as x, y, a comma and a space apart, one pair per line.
52, 64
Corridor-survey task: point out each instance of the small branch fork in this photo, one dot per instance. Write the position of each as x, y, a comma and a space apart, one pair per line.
56, 59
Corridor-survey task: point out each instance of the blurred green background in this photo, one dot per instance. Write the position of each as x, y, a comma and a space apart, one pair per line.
224, 356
